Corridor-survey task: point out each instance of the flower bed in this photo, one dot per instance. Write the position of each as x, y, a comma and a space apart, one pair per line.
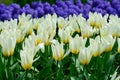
55, 48
66, 40
61, 8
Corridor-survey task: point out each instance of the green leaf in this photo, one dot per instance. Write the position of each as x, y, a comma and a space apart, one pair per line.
2, 67
110, 63
11, 75
21, 76
13, 66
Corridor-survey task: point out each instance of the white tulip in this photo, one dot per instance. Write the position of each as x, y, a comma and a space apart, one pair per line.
76, 44
57, 50
104, 31
23, 18
99, 45
85, 55
8, 42
73, 23
96, 20
114, 24
46, 33
29, 51
64, 35
62, 23
111, 42
27, 56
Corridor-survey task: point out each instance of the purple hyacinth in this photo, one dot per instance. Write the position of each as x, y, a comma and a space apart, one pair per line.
35, 14
110, 10
15, 16
61, 8
5, 17
40, 11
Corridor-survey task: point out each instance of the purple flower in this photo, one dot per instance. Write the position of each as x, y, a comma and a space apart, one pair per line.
15, 16
90, 2
85, 15
9, 8
114, 3
29, 11
2, 5
72, 11
78, 2
49, 10
96, 2
61, 4
107, 4
86, 8
111, 10
54, 6
40, 11
27, 6
104, 12
15, 6
5, 17
62, 13
46, 4
99, 10
68, 3
20, 11
76, 8
34, 5
101, 6
61, 8
35, 14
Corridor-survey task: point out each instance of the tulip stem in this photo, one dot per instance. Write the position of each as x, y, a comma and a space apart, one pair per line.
75, 63
26, 72
59, 73
7, 65
85, 73
6, 69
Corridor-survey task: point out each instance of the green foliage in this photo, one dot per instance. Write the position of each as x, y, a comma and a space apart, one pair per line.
45, 68
23, 2
7, 2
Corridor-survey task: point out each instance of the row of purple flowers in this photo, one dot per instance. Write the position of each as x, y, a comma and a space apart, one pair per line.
61, 8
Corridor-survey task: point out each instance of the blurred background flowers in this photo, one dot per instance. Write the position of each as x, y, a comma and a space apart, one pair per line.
64, 8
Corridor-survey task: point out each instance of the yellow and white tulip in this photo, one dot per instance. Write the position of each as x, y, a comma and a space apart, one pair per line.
64, 35
57, 50
85, 56
29, 51
8, 42
111, 42
73, 23
96, 20
76, 44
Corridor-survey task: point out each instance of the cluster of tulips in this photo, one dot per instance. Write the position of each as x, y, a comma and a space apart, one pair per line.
85, 38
